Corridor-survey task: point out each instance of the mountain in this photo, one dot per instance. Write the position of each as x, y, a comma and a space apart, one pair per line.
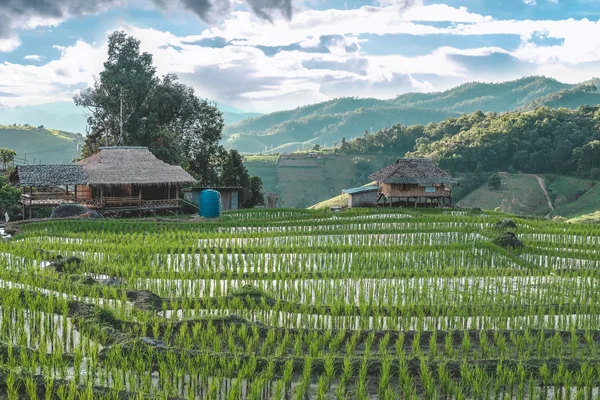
327, 129
63, 115
327, 122
583, 94
45, 146
66, 116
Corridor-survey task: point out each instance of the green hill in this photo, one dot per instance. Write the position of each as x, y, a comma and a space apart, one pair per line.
327, 122
569, 98
495, 97
46, 146
522, 194
296, 134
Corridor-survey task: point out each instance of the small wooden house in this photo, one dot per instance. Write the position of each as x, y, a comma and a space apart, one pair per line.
414, 182
114, 179
364, 196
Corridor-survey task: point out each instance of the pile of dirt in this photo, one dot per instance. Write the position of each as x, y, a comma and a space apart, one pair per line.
74, 210
508, 241
506, 224
98, 321
110, 282
145, 300
254, 293
66, 264
86, 280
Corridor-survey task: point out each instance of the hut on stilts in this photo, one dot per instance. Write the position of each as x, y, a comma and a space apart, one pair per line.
114, 179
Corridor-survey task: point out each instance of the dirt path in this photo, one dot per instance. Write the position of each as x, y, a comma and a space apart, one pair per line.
540, 182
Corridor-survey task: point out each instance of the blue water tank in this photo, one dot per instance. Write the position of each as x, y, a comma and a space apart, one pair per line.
210, 203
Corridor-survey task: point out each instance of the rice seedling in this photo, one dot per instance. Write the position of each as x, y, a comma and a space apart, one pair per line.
281, 304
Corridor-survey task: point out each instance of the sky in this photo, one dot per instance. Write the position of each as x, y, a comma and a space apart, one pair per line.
268, 55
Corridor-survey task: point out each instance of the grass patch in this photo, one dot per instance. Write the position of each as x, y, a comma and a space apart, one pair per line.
520, 194
588, 203
566, 189
593, 218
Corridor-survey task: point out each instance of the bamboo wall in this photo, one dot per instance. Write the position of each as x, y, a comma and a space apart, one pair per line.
84, 192
394, 190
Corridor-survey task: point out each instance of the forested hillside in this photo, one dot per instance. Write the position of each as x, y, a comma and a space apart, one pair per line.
545, 140
327, 123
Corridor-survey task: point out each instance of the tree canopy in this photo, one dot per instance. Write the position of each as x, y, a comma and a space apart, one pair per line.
544, 140
130, 105
234, 173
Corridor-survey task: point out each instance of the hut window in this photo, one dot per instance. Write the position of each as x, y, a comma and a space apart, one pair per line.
430, 189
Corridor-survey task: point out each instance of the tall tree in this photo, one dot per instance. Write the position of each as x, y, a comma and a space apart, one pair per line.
7, 156
255, 193
234, 173
130, 105
115, 103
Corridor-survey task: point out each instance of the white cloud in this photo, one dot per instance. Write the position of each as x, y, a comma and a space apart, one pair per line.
34, 57
55, 80
530, 2
245, 28
9, 44
242, 75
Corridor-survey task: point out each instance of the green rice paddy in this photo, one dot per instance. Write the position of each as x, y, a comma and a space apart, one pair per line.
301, 304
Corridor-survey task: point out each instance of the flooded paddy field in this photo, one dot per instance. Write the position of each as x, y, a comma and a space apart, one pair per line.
298, 304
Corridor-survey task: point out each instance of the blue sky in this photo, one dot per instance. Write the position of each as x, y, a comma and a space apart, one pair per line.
261, 61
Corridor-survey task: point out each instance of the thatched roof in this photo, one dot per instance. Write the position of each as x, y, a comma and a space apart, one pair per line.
109, 167
49, 175
131, 165
412, 171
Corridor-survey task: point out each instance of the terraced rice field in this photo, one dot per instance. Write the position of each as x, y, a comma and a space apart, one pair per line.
265, 304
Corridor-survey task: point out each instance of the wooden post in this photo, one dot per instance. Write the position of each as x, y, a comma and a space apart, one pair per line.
177, 191
140, 196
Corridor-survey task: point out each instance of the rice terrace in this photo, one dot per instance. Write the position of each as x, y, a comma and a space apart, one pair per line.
301, 304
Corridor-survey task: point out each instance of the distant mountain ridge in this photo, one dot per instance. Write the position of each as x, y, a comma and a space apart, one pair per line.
62, 115
66, 116
327, 122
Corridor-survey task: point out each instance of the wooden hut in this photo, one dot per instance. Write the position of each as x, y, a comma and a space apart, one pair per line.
114, 179
414, 182
364, 196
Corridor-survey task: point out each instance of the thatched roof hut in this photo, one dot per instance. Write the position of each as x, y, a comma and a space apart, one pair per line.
113, 166
416, 171
49, 175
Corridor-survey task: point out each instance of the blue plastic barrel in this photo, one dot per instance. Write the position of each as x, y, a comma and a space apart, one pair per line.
210, 203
